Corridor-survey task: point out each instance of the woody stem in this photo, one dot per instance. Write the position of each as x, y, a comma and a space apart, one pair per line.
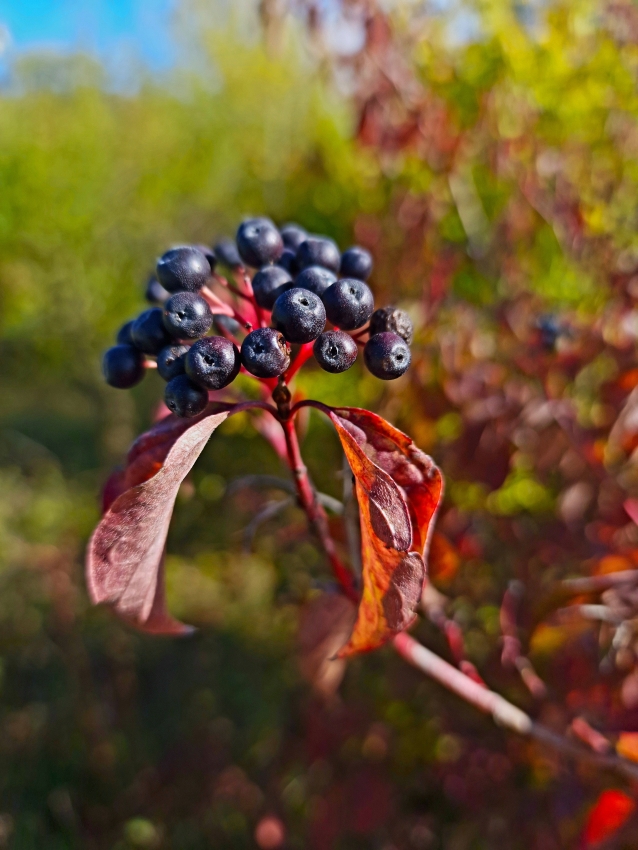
314, 511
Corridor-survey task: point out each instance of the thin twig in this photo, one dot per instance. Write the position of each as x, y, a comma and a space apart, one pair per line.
273, 482
266, 482
596, 584
314, 510
433, 606
512, 654
268, 512
503, 713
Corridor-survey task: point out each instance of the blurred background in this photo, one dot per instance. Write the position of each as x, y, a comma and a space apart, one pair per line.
485, 152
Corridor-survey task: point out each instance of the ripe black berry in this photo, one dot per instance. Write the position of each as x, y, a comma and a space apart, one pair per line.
170, 361
225, 323
187, 315
356, 262
335, 351
288, 261
123, 366
227, 253
155, 292
264, 353
293, 236
386, 355
148, 331
209, 253
349, 303
124, 334
259, 242
269, 283
316, 279
393, 320
183, 268
184, 398
212, 362
550, 330
299, 315
319, 251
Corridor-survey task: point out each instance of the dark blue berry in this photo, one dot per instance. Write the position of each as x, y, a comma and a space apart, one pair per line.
184, 398
356, 262
170, 361
319, 251
349, 303
124, 334
155, 292
123, 366
184, 268
148, 331
293, 235
226, 323
335, 351
393, 320
212, 362
227, 253
316, 279
268, 284
387, 355
187, 315
259, 242
264, 353
209, 253
550, 330
288, 261
299, 315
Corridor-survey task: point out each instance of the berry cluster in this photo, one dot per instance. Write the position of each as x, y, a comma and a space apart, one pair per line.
301, 283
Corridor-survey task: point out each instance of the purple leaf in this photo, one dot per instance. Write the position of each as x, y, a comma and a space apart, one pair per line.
125, 563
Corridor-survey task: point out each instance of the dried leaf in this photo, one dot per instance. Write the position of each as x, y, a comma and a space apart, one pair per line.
398, 491
125, 563
608, 815
324, 626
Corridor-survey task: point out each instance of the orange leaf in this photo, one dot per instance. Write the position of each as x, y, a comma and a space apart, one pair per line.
627, 745
398, 489
609, 813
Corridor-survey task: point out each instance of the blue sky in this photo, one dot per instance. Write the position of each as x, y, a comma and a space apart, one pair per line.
100, 26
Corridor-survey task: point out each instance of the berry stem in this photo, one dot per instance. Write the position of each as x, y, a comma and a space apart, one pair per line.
229, 286
361, 333
303, 355
314, 511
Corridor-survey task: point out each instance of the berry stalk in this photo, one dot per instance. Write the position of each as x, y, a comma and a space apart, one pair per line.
314, 511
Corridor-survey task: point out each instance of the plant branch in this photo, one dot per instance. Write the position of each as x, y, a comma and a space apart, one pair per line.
503, 713
314, 510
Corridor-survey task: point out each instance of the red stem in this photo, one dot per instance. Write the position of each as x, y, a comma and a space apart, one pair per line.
303, 355
229, 286
314, 511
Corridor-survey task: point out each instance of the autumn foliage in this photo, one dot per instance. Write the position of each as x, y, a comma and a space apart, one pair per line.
486, 156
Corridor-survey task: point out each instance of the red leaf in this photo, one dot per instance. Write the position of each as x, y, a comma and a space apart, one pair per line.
610, 812
324, 625
125, 562
415, 472
398, 489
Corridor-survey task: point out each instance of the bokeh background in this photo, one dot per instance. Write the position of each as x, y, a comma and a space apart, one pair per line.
486, 153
